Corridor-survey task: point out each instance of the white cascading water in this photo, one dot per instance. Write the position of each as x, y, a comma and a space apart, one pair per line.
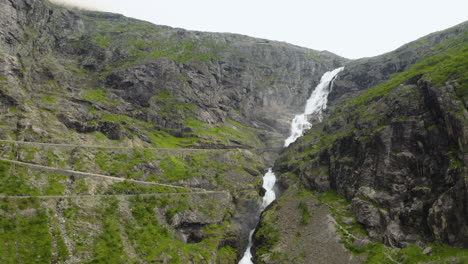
315, 105
268, 182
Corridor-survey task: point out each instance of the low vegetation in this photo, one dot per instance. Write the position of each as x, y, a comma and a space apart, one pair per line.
305, 213
30, 232
450, 63
24, 232
97, 95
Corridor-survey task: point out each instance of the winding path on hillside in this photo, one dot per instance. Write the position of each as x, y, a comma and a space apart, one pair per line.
113, 147
87, 174
70, 173
63, 145
107, 195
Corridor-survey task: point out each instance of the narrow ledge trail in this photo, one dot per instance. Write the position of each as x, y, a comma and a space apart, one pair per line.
116, 147
63, 145
106, 195
87, 174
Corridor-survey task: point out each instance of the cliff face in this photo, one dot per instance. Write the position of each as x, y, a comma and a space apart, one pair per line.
134, 142
393, 146
409, 136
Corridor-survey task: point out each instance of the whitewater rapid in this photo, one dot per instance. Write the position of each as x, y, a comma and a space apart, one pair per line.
316, 103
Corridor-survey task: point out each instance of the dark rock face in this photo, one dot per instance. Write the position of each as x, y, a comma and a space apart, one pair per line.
7, 101
414, 165
109, 129
399, 158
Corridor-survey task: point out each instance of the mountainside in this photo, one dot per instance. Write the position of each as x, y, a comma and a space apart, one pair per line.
106, 65
188, 119
126, 142
391, 152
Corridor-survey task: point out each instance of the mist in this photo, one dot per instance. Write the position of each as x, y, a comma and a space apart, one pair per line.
90, 5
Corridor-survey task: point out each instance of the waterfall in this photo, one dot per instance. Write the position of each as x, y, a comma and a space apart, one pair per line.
268, 182
315, 105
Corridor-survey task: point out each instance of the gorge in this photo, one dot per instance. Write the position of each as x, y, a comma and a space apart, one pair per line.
127, 142
314, 106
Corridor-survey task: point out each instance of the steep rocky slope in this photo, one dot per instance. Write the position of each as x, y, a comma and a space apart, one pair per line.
134, 142
391, 152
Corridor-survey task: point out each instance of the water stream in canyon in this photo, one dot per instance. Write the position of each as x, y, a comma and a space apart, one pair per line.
315, 105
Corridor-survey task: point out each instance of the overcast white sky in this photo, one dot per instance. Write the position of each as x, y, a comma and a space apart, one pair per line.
350, 28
